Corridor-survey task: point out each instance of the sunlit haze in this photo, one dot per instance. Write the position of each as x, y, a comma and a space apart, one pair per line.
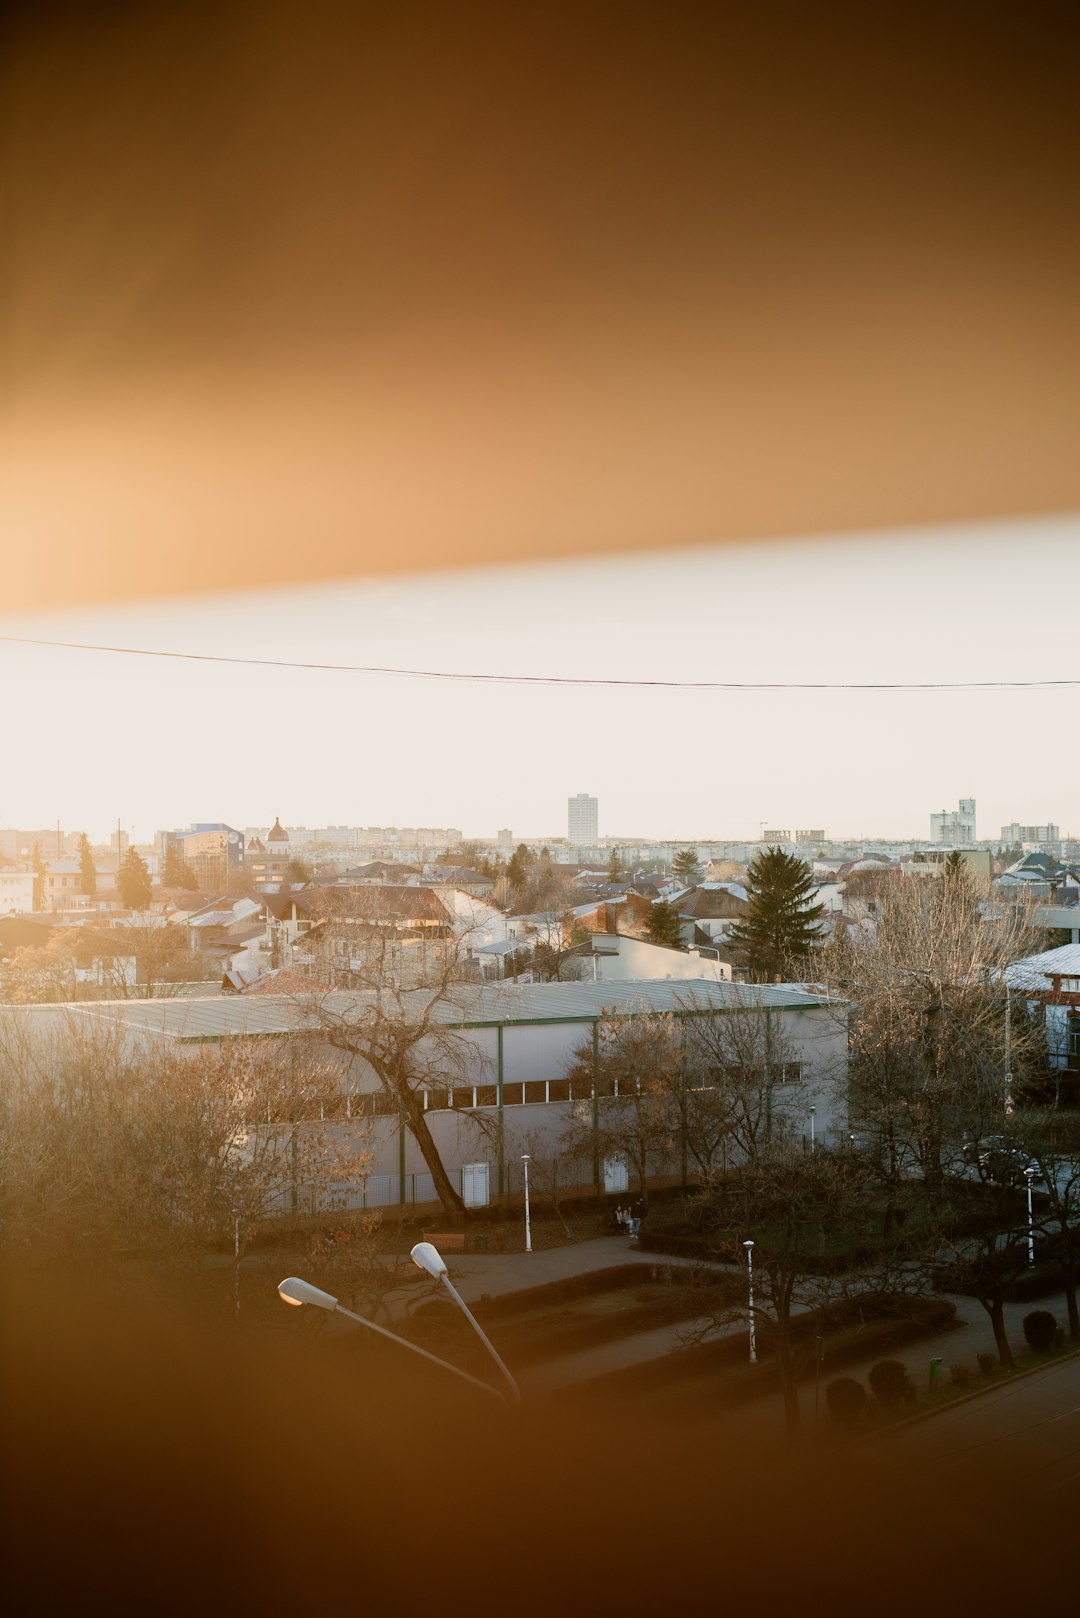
93, 737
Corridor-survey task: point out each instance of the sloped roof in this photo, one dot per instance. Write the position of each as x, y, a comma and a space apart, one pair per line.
277, 833
19, 931
263, 1012
384, 902
1036, 971
709, 904
373, 867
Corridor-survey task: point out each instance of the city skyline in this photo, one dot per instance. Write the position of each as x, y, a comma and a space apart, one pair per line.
163, 741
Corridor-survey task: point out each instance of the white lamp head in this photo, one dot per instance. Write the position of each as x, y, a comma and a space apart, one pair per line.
748, 1243
428, 1258
525, 1158
296, 1291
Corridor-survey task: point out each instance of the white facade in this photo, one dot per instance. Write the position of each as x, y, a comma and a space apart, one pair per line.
516, 1045
16, 893
582, 818
1016, 833
953, 826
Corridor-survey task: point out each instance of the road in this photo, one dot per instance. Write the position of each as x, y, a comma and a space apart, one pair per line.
1027, 1432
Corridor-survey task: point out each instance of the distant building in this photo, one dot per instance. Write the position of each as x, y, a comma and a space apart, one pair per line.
505, 837
954, 826
771, 834
582, 818
16, 892
215, 853
932, 862
1015, 833
816, 834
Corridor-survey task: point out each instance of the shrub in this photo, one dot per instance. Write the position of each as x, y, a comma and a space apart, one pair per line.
889, 1383
1040, 1329
961, 1375
987, 1362
846, 1401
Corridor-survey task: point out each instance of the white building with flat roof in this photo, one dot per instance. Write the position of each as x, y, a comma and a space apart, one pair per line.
954, 826
582, 818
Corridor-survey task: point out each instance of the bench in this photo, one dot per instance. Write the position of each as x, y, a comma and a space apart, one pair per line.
448, 1241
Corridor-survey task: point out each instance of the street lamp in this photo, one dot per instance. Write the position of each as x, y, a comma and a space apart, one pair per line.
1029, 1176
748, 1244
298, 1292
813, 1138
427, 1257
528, 1227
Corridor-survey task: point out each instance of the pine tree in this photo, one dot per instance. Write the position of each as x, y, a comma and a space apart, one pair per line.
781, 929
517, 869
40, 873
614, 870
87, 869
665, 926
176, 872
133, 881
686, 865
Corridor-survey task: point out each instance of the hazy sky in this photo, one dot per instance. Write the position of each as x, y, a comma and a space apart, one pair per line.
89, 737
371, 292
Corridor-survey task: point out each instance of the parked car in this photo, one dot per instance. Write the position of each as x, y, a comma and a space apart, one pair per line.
999, 1158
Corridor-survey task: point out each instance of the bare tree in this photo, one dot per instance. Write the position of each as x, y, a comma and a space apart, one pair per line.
134, 961
113, 1150
741, 1059
411, 989
927, 1029
788, 1203
1053, 1139
622, 1082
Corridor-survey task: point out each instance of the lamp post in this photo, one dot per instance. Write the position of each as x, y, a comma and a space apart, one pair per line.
427, 1257
1010, 1106
298, 1292
1029, 1176
528, 1226
813, 1137
236, 1262
748, 1244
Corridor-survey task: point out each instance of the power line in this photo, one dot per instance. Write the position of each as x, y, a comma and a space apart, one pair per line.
550, 679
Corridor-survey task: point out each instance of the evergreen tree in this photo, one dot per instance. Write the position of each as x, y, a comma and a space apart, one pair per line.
686, 865
40, 873
87, 871
781, 929
133, 881
665, 926
176, 872
517, 869
614, 871
297, 871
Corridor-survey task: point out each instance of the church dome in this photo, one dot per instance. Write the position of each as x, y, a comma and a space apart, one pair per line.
277, 833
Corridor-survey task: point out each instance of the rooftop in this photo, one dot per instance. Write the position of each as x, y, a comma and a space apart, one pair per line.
200, 1020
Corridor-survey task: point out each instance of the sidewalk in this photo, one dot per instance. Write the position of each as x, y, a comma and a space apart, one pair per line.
479, 1275
495, 1274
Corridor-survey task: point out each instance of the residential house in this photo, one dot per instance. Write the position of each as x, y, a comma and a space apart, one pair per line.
1050, 983
16, 892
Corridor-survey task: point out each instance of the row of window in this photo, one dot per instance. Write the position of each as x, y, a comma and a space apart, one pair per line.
531, 1092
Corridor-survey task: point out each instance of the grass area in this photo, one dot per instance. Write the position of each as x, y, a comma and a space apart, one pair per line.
948, 1390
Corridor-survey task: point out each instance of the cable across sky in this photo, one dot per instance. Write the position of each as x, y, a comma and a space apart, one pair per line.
548, 679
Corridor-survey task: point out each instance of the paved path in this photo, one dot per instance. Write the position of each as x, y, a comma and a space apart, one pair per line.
496, 1274
1027, 1430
